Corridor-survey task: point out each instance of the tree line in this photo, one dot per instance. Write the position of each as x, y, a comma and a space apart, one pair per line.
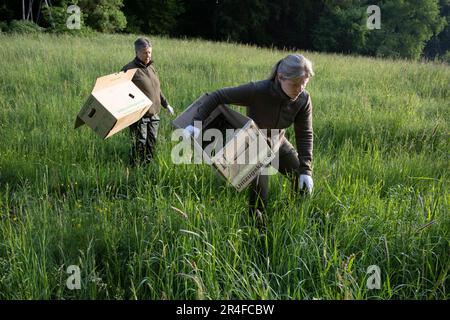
408, 29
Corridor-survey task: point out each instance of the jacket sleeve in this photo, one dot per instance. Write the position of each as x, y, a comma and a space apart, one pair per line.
304, 137
164, 102
241, 95
163, 99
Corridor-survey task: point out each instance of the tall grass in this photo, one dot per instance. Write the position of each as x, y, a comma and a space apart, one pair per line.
179, 232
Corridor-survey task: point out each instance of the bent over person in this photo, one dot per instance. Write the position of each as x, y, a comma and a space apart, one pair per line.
145, 131
275, 103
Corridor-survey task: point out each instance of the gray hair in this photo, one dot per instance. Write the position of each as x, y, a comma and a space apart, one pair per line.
142, 43
292, 66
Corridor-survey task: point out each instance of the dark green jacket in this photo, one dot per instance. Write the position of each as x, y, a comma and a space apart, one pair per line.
270, 108
146, 79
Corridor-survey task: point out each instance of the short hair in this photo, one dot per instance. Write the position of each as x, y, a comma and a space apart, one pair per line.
142, 43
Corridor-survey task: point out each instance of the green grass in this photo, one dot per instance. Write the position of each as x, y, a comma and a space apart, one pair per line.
381, 169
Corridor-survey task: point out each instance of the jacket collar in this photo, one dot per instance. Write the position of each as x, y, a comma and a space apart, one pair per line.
140, 64
276, 86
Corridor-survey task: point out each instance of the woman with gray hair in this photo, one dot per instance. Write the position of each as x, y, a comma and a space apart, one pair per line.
275, 103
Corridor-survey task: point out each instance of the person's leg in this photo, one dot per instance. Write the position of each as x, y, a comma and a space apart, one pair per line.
152, 135
259, 189
289, 164
138, 134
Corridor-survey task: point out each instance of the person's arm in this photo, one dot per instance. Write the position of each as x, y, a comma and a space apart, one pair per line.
241, 95
304, 137
162, 98
164, 102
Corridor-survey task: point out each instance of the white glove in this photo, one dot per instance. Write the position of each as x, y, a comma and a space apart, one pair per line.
170, 109
191, 130
307, 181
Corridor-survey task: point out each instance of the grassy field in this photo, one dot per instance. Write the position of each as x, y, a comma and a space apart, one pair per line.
381, 169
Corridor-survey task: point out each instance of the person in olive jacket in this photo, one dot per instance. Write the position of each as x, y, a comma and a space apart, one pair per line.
275, 103
145, 131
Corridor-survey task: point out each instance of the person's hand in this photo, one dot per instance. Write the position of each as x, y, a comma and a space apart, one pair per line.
306, 181
170, 109
190, 130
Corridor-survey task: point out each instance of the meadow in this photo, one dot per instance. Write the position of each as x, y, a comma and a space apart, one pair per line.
381, 169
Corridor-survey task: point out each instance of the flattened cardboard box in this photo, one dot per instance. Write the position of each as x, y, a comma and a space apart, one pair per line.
238, 174
114, 104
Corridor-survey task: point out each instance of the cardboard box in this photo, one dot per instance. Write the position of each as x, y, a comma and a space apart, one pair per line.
244, 153
114, 104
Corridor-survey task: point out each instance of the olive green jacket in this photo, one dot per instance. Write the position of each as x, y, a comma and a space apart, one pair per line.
146, 79
270, 108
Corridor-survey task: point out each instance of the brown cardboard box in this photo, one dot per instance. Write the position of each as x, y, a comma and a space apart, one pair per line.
114, 104
244, 153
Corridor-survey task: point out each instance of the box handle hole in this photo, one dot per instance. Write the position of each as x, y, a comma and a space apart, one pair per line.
91, 114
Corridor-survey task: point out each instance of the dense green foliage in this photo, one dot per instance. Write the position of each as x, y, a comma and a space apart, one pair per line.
409, 29
155, 17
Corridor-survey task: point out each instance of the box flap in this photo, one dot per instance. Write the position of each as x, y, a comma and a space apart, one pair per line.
113, 79
78, 122
127, 121
187, 117
237, 119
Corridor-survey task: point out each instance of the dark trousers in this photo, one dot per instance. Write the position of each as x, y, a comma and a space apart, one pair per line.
143, 135
288, 165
